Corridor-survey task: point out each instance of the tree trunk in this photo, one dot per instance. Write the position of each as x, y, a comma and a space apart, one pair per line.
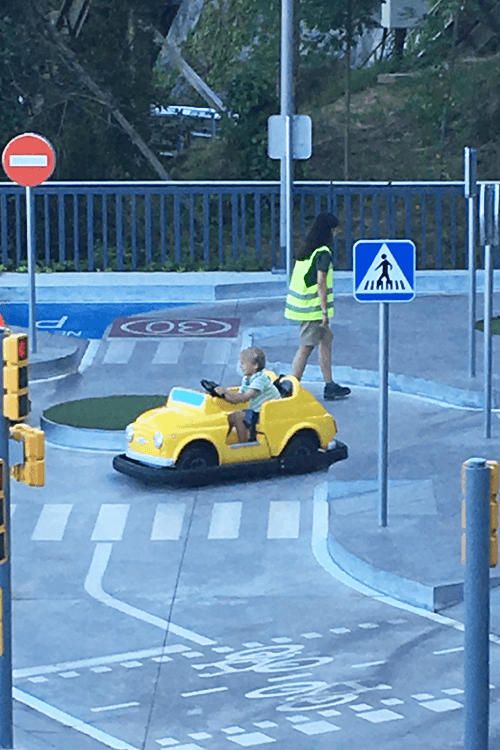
105, 98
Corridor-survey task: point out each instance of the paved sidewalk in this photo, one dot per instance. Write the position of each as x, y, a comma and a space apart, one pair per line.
417, 557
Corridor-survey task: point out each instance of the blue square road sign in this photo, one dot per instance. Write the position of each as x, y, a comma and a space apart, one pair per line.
384, 270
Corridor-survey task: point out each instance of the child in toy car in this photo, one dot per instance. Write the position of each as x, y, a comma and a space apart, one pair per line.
256, 387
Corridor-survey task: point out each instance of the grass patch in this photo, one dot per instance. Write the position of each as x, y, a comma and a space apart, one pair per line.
110, 413
495, 326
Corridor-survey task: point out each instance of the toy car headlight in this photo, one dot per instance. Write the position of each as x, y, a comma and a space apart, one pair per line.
158, 440
129, 433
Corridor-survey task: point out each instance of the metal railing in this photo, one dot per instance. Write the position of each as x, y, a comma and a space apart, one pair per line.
216, 225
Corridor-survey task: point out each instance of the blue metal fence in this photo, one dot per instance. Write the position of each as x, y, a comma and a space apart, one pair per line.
167, 225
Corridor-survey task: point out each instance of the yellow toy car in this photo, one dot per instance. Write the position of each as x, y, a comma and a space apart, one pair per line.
186, 441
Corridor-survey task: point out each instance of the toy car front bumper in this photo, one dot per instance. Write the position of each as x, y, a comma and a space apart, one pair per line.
336, 452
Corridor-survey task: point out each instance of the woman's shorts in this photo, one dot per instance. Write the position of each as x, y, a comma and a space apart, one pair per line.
312, 332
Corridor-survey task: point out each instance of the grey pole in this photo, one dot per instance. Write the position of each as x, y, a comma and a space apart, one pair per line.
477, 604
286, 189
30, 242
470, 192
6, 719
486, 231
488, 306
383, 354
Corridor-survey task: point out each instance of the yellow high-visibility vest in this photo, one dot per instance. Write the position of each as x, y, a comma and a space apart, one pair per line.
303, 302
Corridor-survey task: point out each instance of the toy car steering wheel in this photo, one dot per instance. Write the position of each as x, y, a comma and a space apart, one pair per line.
210, 387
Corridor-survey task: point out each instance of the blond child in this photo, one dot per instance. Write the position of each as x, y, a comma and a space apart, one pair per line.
256, 387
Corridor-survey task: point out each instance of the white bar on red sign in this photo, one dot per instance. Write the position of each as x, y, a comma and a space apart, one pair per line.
28, 160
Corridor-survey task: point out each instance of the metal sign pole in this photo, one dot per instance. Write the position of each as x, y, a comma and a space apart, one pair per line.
383, 354
286, 196
470, 192
6, 720
30, 242
486, 231
477, 604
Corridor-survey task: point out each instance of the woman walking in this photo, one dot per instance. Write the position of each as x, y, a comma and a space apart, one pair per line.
310, 301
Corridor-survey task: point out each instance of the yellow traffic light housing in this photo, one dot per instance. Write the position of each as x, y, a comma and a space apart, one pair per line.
16, 404
494, 486
3, 515
32, 470
493, 512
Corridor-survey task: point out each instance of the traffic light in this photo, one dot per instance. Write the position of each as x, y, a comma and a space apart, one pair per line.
15, 377
32, 470
494, 481
3, 516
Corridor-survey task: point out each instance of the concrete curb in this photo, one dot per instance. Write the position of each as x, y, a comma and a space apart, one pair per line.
210, 286
82, 438
426, 596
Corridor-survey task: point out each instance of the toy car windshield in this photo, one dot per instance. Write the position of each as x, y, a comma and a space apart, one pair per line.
185, 396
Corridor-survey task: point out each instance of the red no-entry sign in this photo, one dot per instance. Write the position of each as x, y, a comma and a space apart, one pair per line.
28, 159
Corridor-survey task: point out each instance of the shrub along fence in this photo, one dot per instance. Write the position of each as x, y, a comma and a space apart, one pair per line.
222, 225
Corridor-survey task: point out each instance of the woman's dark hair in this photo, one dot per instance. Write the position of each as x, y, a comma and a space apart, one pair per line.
320, 234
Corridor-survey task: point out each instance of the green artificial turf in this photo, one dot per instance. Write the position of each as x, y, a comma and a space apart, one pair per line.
110, 413
495, 325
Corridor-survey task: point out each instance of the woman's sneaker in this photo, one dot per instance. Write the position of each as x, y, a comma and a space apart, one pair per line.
335, 391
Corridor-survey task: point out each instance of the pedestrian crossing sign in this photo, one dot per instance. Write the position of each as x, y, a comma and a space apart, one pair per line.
384, 270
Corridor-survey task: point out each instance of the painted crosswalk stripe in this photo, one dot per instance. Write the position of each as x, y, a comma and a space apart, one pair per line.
52, 522
284, 519
110, 522
118, 352
225, 521
167, 524
168, 352
217, 352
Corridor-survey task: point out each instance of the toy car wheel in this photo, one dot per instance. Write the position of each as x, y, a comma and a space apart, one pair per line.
300, 452
197, 458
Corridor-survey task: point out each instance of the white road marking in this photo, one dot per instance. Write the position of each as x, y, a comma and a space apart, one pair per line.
339, 631
204, 692
116, 706
95, 662
52, 522
448, 650
248, 740
70, 721
93, 586
225, 522
383, 714
167, 352
316, 727
168, 520
118, 351
13, 506
422, 696
66, 675
442, 704
367, 664
89, 355
452, 691
110, 522
217, 352
284, 519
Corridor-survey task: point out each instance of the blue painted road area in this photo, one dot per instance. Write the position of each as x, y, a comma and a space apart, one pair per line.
86, 321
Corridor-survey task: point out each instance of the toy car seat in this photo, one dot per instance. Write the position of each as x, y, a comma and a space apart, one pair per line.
285, 387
